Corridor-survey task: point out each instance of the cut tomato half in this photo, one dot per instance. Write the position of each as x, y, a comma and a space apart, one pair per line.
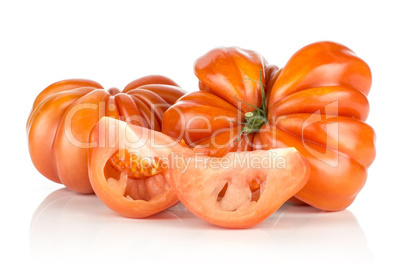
239, 190
128, 168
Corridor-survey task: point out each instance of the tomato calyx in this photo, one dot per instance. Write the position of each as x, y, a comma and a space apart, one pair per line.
136, 166
254, 120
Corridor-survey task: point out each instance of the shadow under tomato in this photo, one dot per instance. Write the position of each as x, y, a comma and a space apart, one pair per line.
67, 225
69, 222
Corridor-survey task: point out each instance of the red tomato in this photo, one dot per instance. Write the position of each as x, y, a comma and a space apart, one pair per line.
317, 103
128, 168
64, 113
241, 189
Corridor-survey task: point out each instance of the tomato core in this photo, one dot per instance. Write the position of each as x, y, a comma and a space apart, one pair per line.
135, 166
256, 119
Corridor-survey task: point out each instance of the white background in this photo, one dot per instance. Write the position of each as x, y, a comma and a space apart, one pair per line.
114, 42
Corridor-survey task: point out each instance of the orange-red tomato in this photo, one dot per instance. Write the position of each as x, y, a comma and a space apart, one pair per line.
128, 168
64, 113
317, 103
241, 189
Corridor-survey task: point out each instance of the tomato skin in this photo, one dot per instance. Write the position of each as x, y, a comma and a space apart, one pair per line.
316, 102
199, 189
329, 78
224, 90
218, 73
64, 113
322, 64
329, 175
110, 135
150, 80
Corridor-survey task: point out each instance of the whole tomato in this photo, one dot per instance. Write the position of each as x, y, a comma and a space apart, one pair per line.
317, 103
65, 112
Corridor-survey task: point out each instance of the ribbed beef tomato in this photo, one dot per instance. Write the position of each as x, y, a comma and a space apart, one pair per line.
316, 103
64, 113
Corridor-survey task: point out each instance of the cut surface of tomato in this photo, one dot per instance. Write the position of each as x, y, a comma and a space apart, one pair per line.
241, 189
128, 168
136, 166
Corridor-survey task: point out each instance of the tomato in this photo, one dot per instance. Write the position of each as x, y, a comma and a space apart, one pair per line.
214, 115
317, 103
129, 168
64, 113
240, 189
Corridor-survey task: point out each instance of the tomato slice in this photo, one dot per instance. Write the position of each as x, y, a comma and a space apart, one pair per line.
128, 168
238, 190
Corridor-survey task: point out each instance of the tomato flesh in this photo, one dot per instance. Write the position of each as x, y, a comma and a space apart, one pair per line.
136, 166
120, 146
236, 196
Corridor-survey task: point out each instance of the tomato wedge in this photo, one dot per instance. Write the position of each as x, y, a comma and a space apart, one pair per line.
128, 168
241, 189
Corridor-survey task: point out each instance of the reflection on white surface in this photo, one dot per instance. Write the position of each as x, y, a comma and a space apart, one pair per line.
67, 226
